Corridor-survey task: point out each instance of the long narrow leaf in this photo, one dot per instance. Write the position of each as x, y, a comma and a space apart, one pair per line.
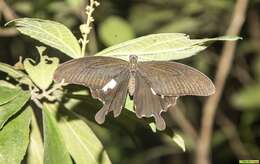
55, 150
35, 149
14, 138
8, 94
81, 141
16, 74
165, 46
9, 109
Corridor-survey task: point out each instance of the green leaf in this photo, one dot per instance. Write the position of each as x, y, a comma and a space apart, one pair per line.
7, 84
179, 141
51, 33
247, 98
115, 30
81, 141
165, 46
14, 138
35, 149
42, 73
12, 107
55, 150
129, 104
8, 94
153, 126
16, 74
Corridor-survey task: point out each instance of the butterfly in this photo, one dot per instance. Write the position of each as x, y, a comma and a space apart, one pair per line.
153, 85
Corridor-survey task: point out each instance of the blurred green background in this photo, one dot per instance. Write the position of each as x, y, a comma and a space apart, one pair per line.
121, 20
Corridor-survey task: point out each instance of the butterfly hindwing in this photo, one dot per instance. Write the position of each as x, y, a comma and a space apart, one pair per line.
174, 79
148, 104
112, 98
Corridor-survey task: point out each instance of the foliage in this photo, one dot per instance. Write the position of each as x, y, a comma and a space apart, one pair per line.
50, 33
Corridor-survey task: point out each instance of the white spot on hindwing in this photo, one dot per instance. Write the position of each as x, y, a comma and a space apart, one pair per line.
110, 85
153, 91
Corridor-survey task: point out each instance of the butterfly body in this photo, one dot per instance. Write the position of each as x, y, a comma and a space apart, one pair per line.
154, 86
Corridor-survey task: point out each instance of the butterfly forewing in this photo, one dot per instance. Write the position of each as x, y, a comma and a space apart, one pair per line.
93, 72
175, 79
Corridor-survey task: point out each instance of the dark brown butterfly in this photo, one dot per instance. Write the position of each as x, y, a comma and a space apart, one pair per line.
154, 85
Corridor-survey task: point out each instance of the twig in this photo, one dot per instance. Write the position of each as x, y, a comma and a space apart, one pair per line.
36, 96
85, 28
8, 31
9, 14
37, 102
224, 65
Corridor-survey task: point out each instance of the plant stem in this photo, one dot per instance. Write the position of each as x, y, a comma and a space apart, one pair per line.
87, 27
224, 65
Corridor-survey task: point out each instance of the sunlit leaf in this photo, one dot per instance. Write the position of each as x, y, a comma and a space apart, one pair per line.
247, 98
165, 46
51, 33
55, 150
179, 141
35, 149
129, 104
41, 73
152, 126
9, 109
82, 143
8, 94
16, 74
115, 30
14, 138
4, 83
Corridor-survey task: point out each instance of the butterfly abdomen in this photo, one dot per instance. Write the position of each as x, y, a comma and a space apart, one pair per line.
131, 84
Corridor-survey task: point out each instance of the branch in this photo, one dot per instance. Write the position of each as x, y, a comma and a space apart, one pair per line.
8, 31
9, 14
224, 65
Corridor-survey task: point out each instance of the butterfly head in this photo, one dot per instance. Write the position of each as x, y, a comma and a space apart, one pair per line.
133, 58
133, 61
